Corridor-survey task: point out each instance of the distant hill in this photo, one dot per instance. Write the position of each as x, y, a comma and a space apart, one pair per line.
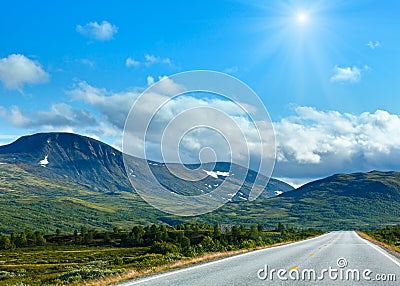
372, 185
342, 201
64, 179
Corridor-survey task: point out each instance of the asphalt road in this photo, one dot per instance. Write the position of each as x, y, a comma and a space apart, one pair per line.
336, 258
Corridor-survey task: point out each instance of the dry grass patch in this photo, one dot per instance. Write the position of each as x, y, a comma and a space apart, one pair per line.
373, 240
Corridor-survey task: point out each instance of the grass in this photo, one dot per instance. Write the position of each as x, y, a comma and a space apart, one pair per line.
338, 202
390, 247
89, 266
28, 200
64, 265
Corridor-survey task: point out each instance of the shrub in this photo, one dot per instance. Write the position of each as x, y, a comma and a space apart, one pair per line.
153, 260
164, 247
87, 273
118, 261
6, 275
248, 244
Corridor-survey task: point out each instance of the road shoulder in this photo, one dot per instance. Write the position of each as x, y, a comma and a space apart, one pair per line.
388, 248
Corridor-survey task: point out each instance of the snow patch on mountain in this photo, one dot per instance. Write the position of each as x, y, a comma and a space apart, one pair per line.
215, 174
131, 173
44, 162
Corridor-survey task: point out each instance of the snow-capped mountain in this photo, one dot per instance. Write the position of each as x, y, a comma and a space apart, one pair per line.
72, 158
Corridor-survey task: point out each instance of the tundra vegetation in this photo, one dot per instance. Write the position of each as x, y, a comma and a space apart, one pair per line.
35, 258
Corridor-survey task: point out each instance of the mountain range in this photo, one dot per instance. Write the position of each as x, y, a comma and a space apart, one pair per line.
69, 181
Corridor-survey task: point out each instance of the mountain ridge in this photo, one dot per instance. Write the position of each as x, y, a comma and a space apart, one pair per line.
68, 181
69, 155
341, 201
97, 166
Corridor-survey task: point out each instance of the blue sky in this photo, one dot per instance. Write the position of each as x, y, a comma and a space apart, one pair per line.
327, 71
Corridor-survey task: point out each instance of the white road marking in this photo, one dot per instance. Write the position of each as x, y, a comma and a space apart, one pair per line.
380, 250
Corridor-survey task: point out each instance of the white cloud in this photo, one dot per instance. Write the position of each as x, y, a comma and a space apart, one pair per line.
114, 107
152, 59
317, 143
150, 80
367, 68
16, 70
14, 116
374, 44
231, 70
130, 62
59, 116
148, 61
168, 87
104, 31
295, 182
88, 63
346, 74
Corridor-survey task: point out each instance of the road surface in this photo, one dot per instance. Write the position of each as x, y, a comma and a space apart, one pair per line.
336, 258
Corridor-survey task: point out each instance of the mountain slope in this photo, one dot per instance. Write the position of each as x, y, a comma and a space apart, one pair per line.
97, 166
69, 158
57, 180
372, 185
66, 181
29, 201
343, 201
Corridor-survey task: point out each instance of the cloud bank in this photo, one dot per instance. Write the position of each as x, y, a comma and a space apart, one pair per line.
59, 115
310, 143
319, 143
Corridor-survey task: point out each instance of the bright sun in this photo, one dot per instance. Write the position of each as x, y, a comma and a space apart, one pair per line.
302, 18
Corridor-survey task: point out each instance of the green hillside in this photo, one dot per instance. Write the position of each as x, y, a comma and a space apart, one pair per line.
85, 185
30, 202
344, 201
338, 202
